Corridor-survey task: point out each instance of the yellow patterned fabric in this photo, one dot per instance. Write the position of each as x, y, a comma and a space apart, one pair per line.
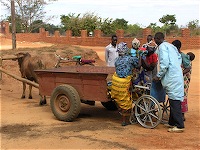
120, 91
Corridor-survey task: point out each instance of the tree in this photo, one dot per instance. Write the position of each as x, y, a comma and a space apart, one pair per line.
133, 30
71, 22
107, 26
51, 28
17, 23
193, 24
89, 22
28, 11
194, 27
120, 24
168, 20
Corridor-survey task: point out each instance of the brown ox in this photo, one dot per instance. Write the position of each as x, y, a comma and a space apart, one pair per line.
27, 65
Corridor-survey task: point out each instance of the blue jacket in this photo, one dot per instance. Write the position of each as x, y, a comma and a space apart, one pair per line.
170, 71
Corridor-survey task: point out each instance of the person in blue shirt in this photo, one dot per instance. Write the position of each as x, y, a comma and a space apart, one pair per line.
121, 81
171, 76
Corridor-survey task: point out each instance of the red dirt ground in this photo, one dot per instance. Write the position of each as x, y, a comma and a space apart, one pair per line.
26, 125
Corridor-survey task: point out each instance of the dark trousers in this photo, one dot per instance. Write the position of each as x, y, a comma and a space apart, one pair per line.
175, 117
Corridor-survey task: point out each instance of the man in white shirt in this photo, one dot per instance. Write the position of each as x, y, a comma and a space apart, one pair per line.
111, 52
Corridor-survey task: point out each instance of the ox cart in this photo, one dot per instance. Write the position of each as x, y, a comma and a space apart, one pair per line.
71, 85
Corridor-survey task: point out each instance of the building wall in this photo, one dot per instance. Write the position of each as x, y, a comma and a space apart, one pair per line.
188, 42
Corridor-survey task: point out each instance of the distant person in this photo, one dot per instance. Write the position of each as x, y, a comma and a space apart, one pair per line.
138, 74
149, 62
171, 76
151, 65
151, 58
135, 47
149, 41
121, 80
111, 52
187, 70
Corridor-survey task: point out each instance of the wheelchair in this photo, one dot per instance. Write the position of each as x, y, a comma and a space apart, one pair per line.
146, 110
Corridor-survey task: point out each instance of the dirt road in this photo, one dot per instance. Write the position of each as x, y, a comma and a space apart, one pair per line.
26, 125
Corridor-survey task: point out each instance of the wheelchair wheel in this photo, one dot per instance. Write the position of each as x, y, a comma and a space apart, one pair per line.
148, 111
165, 110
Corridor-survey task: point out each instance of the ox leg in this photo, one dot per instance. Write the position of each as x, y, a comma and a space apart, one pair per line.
42, 100
30, 94
24, 89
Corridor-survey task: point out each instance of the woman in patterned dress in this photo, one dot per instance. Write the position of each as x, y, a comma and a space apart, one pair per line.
121, 81
187, 70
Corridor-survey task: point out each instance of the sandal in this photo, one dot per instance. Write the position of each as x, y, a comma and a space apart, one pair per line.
125, 123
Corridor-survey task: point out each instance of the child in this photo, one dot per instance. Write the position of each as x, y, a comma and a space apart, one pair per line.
149, 41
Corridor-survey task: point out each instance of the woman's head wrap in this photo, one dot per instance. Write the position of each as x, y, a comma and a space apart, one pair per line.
122, 48
135, 43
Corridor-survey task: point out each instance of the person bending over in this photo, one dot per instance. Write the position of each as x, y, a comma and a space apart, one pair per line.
121, 81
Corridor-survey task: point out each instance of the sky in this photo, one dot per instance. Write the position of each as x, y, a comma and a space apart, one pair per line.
142, 12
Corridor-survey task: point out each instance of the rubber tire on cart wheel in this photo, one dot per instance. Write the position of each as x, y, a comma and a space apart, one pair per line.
65, 103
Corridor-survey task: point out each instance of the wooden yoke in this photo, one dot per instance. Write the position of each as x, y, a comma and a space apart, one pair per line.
19, 78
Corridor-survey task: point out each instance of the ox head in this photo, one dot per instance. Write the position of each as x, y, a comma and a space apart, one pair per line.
21, 55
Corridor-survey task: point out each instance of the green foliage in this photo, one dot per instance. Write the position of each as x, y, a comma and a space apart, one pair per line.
133, 30
35, 24
193, 24
88, 22
72, 22
120, 24
194, 27
28, 12
19, 26
51, 28
107, 27
154, 28
168, 20
76, 23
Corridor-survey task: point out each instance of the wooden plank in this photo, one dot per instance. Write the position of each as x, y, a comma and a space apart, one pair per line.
19, 78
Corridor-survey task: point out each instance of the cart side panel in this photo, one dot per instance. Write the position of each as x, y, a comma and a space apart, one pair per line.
46, 83
71, 79
89, 86
95, 87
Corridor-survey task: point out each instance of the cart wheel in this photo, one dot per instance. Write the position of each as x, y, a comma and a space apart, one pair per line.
165, 110
148, 111
65, 103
